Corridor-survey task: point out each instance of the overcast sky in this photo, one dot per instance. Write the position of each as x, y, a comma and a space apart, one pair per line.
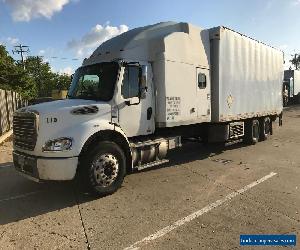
71, 29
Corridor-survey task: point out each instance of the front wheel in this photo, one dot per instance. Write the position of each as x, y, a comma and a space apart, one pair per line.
104, 168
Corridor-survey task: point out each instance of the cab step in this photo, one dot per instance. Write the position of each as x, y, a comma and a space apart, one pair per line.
152, 164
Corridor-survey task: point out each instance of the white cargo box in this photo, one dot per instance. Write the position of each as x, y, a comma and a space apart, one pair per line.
295, 75
246, 76
296, 82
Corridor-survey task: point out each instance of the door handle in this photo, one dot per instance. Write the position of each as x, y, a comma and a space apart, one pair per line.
149, 113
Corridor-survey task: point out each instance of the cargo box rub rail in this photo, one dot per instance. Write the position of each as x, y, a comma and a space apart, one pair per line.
244, 116
149, 88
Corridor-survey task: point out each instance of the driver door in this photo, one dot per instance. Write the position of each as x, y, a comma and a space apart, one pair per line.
135, 118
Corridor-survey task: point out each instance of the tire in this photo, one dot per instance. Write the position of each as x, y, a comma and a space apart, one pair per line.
104, 168
265, 128
251, 132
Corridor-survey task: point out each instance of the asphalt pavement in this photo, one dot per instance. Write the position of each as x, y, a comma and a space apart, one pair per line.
204, 198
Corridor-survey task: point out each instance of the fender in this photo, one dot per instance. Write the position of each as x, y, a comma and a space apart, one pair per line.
109, 132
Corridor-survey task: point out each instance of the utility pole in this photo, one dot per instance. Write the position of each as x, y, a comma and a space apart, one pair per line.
21, 49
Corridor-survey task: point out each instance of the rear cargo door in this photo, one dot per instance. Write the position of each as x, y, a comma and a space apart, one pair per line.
203, 94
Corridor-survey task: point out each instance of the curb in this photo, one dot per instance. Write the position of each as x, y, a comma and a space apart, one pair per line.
5, 136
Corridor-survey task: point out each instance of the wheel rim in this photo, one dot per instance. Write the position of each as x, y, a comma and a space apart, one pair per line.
106, 169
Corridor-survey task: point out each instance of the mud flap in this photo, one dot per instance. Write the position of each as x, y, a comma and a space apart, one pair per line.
280, 119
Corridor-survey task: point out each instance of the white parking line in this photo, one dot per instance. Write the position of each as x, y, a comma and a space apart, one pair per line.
20, 196
6, 166
196, 214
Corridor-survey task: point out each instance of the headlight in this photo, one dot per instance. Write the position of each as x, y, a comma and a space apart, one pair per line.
59, 144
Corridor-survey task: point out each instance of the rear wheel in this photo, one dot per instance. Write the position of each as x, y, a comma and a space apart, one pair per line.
265, 128
104, 168
251, 131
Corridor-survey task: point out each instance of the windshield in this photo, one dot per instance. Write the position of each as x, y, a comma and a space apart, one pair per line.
94, 82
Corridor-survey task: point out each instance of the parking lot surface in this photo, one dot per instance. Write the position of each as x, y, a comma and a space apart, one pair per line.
204, 198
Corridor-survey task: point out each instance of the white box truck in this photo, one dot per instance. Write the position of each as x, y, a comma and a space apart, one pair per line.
292, 84
140, 93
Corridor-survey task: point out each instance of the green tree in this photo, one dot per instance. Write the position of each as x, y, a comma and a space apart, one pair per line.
36, 80
63, 81
296, 61
13, 76
45, 80
41, 74
7, 67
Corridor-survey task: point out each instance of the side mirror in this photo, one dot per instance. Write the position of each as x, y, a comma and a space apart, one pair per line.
133, 101
143, 82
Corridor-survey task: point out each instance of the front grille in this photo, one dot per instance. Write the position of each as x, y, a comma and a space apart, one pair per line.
24, 130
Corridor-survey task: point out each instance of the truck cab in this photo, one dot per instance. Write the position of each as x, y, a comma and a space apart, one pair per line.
107, 102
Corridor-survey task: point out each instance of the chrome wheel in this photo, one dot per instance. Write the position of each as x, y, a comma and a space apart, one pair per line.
106, 169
